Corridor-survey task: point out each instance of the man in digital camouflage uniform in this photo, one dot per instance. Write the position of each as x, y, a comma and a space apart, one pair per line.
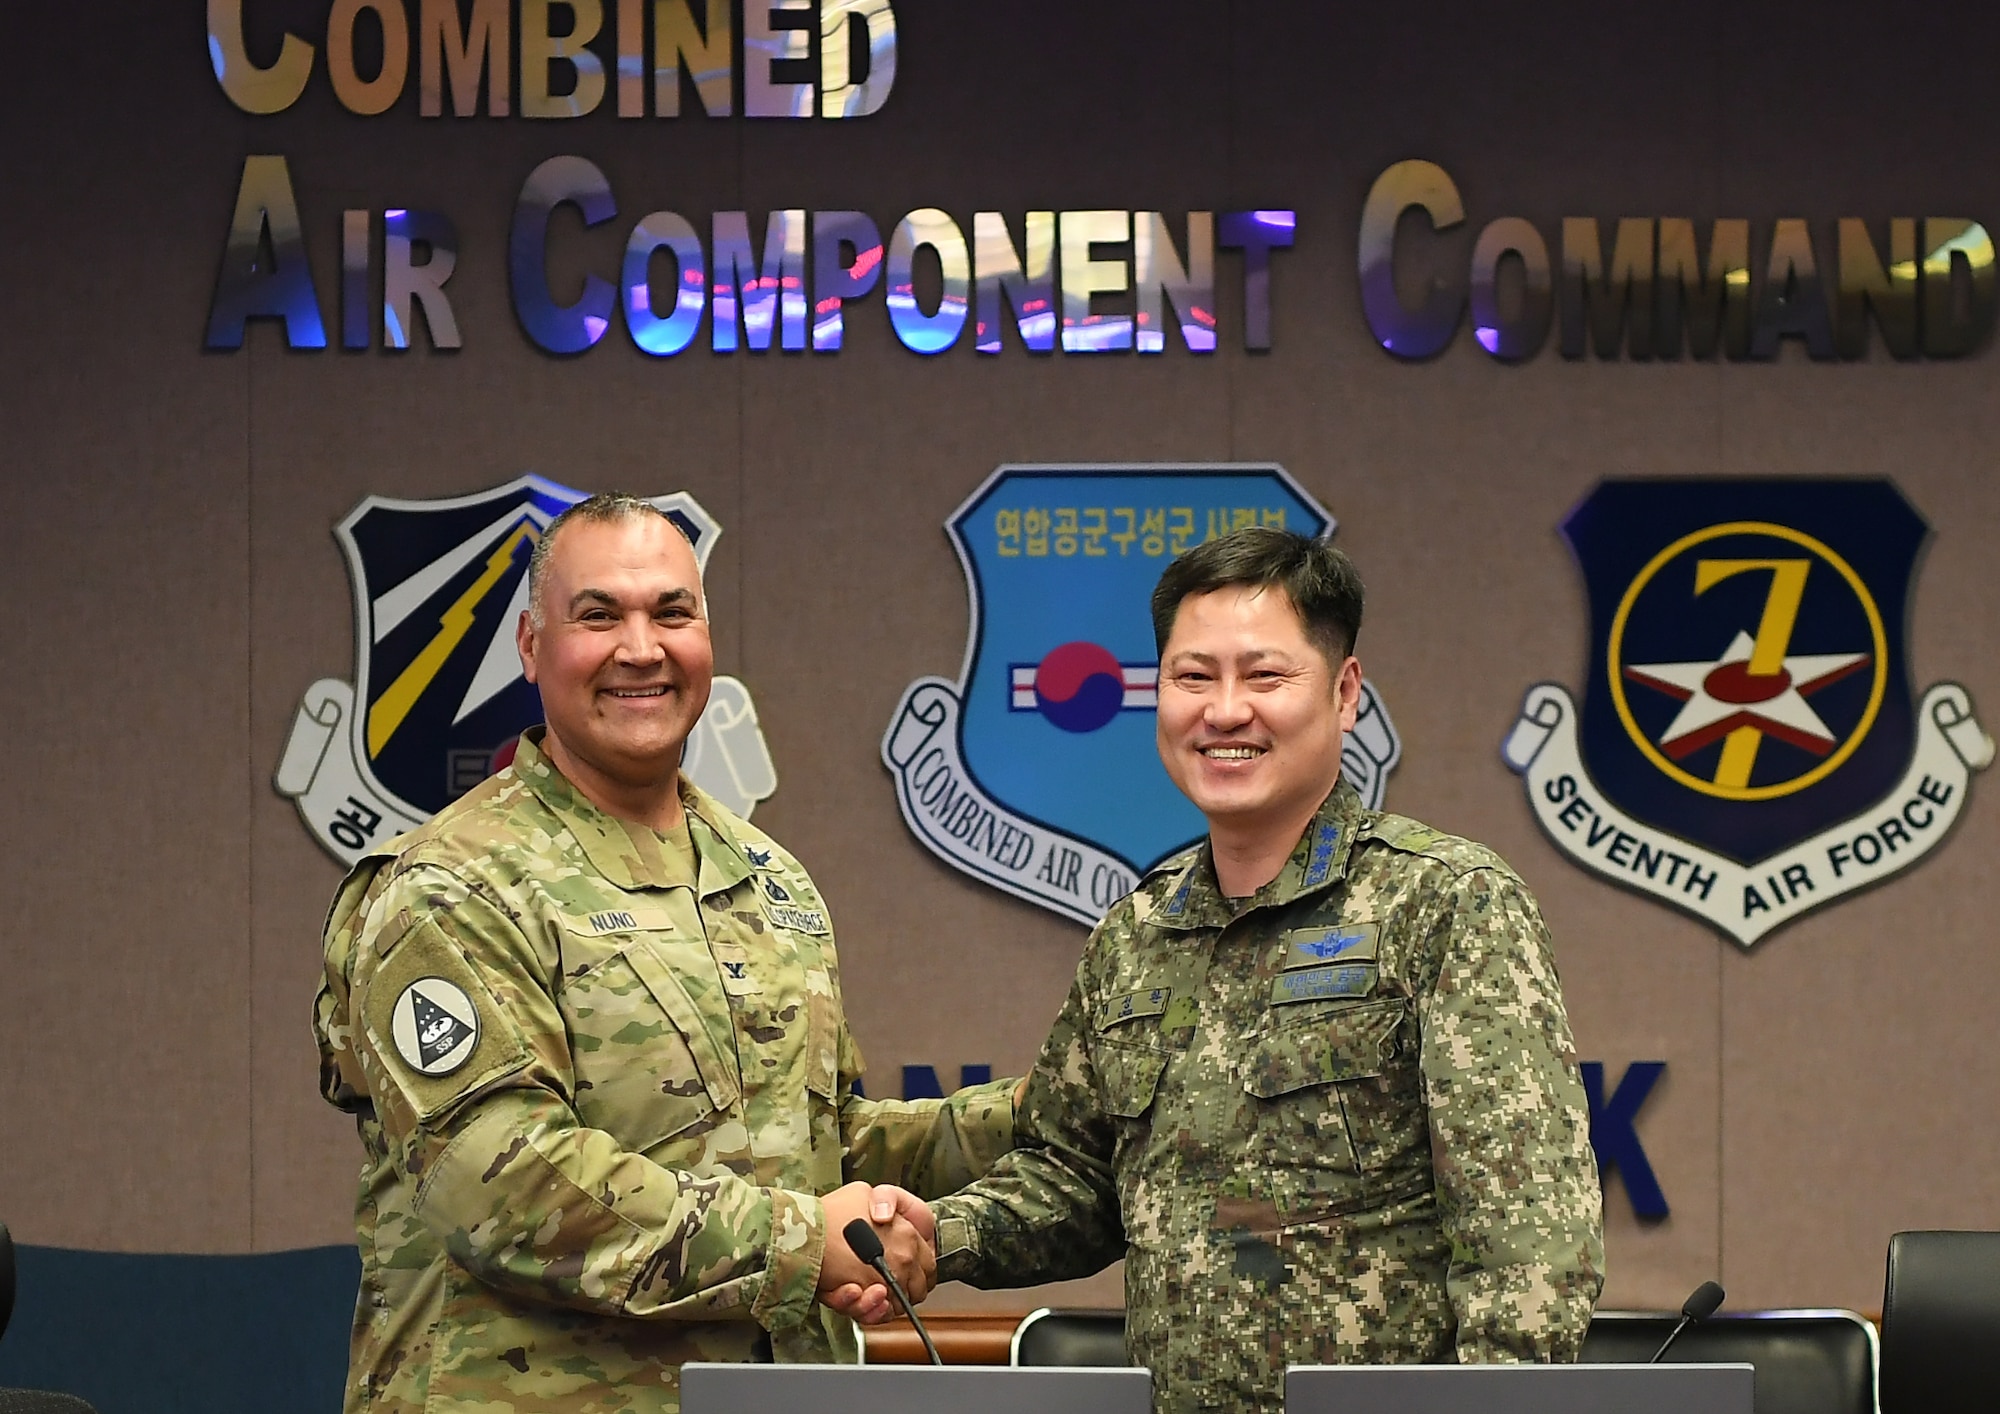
1313, 1081
589, 1023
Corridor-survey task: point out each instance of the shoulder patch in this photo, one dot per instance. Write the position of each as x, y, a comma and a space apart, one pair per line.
435, 1026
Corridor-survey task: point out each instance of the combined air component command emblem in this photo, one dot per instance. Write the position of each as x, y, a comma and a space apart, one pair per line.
1749, 748
1036, 772
438, 588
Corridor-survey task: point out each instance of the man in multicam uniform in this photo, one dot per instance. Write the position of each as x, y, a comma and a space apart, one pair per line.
589, 1024
1313, 1081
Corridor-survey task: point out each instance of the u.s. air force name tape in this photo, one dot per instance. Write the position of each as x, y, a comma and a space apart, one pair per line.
945, 808
1745, 902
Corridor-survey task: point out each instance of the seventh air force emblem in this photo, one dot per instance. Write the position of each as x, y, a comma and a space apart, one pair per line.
1749, 748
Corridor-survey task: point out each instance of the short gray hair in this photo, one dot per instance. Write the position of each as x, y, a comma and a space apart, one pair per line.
604, 507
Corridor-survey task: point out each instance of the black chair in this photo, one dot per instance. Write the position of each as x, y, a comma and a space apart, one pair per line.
42, 1401
27, 1401
1086, 1338
1941, 1322
1807, 1361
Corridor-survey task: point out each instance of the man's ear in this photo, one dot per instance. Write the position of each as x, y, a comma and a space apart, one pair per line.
1347, 692
524, 643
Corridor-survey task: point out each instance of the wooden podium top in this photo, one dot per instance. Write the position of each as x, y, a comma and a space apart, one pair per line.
972, 1338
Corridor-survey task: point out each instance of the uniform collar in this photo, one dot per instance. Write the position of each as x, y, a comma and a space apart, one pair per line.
1190, 897
626, 853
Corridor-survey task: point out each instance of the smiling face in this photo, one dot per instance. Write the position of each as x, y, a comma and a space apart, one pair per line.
622, 658
1251, 714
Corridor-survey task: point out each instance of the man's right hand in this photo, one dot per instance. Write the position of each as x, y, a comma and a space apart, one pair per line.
907, 1250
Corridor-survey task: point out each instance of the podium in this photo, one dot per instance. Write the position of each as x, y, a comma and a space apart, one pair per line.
1519, 1389
915, 1389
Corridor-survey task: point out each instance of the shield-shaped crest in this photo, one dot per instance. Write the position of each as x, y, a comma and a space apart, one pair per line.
1749, 700
1748, 683
1037, 771
438, 697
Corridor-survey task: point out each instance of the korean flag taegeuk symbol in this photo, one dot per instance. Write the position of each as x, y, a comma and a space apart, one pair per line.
1037, 771
438, 699
1749, 746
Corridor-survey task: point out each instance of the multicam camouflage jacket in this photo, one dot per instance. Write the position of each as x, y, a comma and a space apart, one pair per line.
598, 1094
1341, 1123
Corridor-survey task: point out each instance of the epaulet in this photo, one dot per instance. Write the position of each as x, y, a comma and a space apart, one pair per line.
1400, 832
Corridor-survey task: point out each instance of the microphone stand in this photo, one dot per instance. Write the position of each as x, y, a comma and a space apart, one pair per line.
868, 1247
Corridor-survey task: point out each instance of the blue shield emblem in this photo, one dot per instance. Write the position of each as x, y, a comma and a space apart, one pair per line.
438, 699
1748, 683
1038, 770
1749, 747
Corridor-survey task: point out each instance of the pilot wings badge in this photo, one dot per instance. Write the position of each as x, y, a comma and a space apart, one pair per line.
1037, 772
1749, 748
438, 700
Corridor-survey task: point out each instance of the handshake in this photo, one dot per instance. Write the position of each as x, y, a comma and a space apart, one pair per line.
903, 1221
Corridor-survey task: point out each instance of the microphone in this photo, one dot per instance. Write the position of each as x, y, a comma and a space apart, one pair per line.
868, 1247
1706, 1300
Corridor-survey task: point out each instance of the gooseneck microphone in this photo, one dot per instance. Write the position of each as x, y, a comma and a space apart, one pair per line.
868, 1247
1707, 1299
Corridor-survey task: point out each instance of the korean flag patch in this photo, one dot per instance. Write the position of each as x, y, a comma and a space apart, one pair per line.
435, 1027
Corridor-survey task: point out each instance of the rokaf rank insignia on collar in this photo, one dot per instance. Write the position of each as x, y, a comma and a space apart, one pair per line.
438, 700
1749, 747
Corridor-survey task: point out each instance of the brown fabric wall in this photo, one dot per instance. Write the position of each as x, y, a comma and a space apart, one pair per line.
174, 586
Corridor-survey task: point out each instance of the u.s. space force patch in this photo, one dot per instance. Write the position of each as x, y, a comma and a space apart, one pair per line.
435, 1026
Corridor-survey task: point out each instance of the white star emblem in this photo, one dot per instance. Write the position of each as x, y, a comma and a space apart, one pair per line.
1719, 697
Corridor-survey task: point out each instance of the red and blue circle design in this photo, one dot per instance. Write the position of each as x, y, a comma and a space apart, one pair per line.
1079, 686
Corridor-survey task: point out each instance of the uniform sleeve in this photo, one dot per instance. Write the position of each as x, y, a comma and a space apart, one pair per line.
1047, 1211
466, 1057
1517, 1183
931, 1147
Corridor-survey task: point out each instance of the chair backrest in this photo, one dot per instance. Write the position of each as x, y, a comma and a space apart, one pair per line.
42, 1401
1941, 1322
1807, 1362
6, 1277
1086, 1338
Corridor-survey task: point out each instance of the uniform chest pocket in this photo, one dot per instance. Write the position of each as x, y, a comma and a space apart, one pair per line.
1334, 1094
1128, 1076
647, 1065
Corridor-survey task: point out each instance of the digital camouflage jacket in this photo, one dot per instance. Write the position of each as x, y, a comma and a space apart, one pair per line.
1341, 1123
598, 1098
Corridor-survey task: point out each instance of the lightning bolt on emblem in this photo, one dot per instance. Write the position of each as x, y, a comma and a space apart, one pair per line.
389, 710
